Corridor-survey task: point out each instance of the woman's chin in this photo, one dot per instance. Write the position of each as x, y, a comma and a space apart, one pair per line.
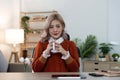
56, 37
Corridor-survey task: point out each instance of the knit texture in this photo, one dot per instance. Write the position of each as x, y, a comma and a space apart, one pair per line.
54, 63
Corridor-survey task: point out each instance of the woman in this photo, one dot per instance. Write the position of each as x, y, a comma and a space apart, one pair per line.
54, 52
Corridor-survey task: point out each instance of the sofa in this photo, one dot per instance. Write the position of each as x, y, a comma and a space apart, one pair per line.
5, 66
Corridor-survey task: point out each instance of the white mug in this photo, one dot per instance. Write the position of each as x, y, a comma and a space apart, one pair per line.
53, 48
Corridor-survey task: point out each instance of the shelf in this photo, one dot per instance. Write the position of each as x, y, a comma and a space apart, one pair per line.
35, 24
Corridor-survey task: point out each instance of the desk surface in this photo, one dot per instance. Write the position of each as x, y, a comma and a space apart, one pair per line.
47, 76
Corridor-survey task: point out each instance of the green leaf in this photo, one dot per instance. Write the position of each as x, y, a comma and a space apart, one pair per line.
88, 48
105, 48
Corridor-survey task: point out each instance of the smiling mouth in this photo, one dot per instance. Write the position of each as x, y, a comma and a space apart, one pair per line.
55, 34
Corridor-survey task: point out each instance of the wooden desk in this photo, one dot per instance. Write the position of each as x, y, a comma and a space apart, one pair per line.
46, 76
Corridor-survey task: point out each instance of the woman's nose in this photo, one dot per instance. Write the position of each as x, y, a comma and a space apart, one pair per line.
55, 29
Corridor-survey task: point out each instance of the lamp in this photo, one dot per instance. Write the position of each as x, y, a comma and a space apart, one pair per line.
14, 36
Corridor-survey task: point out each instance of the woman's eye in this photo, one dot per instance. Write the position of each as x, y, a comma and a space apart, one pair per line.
58, 26
51, 26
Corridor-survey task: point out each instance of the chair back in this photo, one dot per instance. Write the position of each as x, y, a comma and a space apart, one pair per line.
79, 54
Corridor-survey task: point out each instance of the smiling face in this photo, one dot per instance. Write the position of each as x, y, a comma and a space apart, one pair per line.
55, 29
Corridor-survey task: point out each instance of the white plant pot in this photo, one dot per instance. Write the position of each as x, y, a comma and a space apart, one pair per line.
102, 59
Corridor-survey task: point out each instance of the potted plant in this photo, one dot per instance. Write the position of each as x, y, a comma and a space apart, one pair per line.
24, 24
115, 56
105, 48
88, 48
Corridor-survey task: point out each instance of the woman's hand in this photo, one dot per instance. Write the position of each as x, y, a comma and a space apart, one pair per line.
49, 47
60, 49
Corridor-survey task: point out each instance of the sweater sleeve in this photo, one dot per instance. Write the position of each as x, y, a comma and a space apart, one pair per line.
37, 65
74, 64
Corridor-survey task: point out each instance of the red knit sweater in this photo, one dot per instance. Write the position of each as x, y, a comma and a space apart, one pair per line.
54, 63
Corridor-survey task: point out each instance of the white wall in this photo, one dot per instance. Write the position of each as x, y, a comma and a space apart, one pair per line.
82, 17
114, 23
9, 18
